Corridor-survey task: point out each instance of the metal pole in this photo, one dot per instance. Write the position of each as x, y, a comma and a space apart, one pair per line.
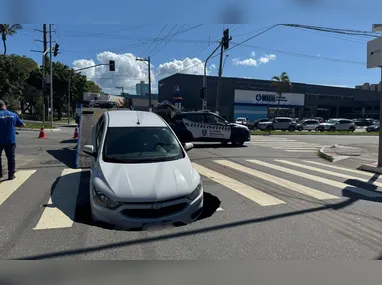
380, 132
204, 103
69, 100
150, 109
43, 75
51, 76
219, 78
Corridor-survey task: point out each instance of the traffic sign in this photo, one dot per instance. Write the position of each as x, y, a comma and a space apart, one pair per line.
374, 53
377, 28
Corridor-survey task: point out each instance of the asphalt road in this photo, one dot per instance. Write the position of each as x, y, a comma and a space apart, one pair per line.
284, 204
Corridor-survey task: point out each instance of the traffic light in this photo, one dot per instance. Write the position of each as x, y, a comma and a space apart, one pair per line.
111, 65
203, 92
55, 51
226, 39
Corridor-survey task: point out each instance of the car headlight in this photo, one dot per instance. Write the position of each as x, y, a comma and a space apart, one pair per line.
104, 201
195, 194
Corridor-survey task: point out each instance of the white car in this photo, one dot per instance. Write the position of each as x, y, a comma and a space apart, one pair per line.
141, 175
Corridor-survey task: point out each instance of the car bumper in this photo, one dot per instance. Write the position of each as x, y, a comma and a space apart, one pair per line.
118, 219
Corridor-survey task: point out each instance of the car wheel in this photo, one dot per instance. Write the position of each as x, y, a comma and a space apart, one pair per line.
332, 129
300, 129
270, 128
316, 129
291, 129
309, 130
351, 129
238, 142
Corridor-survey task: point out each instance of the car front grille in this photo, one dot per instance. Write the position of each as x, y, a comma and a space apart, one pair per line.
154, 213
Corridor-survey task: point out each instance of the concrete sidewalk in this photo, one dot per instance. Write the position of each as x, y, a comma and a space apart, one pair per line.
355, 156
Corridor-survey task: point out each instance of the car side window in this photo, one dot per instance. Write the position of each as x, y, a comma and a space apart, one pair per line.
197, 118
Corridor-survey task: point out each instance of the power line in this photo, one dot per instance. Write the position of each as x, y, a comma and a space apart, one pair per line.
258, 34
157, 45
165, 26
333, 30
306, 55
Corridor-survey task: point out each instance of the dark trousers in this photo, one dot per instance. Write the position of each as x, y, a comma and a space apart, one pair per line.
10, 150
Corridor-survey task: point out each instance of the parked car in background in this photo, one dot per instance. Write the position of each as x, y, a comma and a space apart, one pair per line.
364, 122
373, 128
255, 124
279, 123
308, 124
242, 120
337, 125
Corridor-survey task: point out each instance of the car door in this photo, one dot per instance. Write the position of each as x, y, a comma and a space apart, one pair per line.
311, 125
342, 125
193, 126
98, 138
215, 128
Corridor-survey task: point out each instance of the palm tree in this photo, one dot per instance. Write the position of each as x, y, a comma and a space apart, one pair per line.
8, 30
281, 84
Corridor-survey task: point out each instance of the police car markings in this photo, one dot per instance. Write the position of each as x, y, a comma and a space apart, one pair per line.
199, 130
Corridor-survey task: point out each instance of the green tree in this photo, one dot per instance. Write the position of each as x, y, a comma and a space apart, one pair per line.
11, 86
90, 86
8, 30
281, 84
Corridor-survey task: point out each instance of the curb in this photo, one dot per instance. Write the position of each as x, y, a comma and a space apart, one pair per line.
37, 130
324, 155
331, 157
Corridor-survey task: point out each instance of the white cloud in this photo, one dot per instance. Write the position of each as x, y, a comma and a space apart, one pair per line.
129, 72
252, 61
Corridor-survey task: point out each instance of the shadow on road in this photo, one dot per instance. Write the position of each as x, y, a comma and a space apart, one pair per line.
65, 155
218, 145
83, 214
211, 204
72, 141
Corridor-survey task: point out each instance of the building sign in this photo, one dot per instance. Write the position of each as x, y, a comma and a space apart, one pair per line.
268, 98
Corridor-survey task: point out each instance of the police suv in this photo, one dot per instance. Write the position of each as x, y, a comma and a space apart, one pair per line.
205, 126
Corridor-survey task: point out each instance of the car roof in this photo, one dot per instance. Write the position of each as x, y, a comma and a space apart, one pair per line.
129, 118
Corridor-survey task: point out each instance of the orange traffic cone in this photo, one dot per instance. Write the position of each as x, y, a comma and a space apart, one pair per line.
42, 134
75, 133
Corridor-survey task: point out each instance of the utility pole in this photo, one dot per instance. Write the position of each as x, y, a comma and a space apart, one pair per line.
69, 99
148, 60
51, 75
204, 89
43, 75
224, 44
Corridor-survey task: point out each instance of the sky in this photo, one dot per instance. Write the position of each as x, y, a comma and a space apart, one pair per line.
307, 56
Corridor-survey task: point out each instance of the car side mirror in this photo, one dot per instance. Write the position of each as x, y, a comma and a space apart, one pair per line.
188, 146
89, 149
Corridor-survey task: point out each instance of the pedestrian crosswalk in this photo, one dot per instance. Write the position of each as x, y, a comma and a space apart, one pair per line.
285, 144
262, 183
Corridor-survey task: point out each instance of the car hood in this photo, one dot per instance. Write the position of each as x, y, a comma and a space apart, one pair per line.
147, 182
326, 124
265, 123
238, 125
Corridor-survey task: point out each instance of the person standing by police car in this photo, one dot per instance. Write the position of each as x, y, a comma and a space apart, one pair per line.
8, 123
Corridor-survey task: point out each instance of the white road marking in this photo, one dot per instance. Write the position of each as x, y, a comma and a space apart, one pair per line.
61, 208
341, 168
279, 181
329, 182
295, 150
329, 172
8, 187
249, 192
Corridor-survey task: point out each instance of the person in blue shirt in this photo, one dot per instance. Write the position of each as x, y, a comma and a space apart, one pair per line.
8, 123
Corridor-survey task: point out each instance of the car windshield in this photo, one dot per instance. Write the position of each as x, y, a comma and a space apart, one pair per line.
141, 145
